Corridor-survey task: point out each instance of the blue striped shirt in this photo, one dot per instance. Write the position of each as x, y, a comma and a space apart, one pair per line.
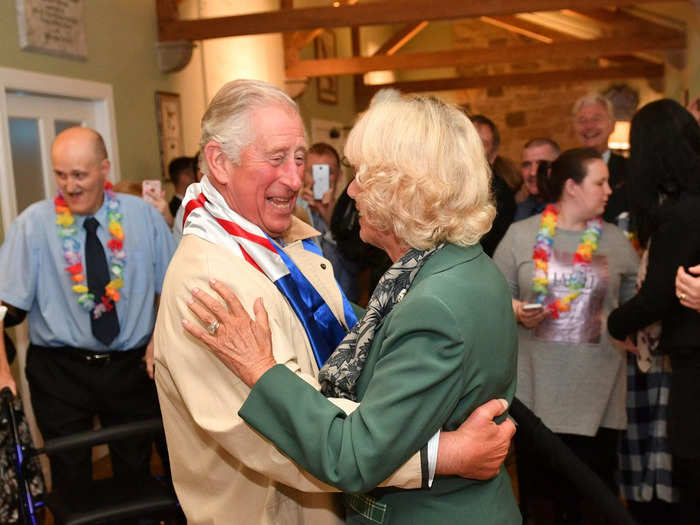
33, 275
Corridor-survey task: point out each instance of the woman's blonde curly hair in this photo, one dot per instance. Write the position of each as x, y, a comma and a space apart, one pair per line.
422, 171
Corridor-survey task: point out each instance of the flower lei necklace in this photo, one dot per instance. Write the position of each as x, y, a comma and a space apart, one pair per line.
542, 252
65, 225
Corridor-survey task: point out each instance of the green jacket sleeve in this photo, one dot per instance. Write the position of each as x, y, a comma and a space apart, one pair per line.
417, 380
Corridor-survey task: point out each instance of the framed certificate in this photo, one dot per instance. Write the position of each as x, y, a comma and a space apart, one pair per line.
170, 141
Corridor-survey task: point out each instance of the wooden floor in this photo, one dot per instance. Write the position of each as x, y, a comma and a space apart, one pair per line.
102, 468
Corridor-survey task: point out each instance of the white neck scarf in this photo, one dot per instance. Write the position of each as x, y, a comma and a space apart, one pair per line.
210, 218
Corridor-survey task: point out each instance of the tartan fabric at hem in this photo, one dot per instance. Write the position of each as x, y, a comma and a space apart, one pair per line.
366, 506
645, 459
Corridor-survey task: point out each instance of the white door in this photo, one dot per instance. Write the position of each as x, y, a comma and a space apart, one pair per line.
33, 122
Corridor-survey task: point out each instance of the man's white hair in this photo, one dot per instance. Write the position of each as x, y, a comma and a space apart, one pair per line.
594, 98
227, 119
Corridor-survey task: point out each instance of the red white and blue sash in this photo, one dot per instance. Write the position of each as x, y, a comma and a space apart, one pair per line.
209, 217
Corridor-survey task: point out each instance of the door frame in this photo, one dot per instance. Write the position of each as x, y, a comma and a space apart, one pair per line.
99, 93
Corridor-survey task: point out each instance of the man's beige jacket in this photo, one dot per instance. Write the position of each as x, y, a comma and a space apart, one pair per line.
224, 471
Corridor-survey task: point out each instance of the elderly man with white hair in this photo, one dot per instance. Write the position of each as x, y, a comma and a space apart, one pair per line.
239, 231
594, 122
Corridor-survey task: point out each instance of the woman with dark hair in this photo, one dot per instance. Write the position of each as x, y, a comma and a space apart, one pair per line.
567, 269
665, 186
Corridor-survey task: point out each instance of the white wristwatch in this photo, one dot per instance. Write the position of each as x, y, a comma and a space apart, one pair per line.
3, 311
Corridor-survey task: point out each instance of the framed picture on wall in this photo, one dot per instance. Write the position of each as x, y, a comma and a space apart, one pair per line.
327, 87
169, 117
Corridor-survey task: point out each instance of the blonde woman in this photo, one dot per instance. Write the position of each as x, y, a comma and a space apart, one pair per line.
437, 341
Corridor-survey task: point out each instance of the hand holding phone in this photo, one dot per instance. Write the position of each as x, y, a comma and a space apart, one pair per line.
532, 306
322, 180
529, 314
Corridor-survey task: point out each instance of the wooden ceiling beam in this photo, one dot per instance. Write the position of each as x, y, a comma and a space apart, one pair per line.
476, 56
294, 42
358, 80
547, 35
526, 28
300, 39
521, 79
627, 59
402, 37
385, 12
622, 21
289, 40
166, 10
303, 38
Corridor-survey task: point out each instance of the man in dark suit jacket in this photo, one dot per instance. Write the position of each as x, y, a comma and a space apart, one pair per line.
505, 201
594, 122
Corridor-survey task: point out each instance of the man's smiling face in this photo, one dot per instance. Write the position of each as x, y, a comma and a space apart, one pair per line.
264, 186
593, 126
80, 170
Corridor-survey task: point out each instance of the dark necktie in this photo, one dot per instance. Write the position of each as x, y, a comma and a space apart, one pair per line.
106, 327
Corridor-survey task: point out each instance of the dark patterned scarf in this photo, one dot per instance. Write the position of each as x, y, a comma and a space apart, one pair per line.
339, 375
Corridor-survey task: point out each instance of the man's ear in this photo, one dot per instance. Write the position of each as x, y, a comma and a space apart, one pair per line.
218, 162
105, 166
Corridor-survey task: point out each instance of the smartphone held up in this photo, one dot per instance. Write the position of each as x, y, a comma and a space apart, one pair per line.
151, 187
321, 174
532, 306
